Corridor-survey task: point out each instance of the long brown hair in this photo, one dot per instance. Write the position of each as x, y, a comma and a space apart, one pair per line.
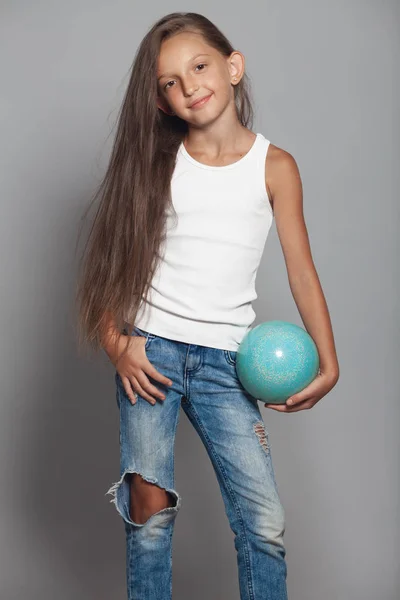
122, 250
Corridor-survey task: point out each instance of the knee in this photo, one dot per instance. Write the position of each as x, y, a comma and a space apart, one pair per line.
147, 498
138, 497
272, 528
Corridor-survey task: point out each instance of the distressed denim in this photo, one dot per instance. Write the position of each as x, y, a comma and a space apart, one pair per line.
231, 427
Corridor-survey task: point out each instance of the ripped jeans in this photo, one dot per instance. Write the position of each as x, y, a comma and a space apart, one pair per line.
229, 423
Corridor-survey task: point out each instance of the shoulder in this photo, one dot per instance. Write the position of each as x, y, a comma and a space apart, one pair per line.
281, 171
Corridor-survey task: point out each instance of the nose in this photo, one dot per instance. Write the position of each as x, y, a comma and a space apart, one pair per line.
189, 87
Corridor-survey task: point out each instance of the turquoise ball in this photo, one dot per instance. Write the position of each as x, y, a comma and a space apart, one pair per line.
275, 360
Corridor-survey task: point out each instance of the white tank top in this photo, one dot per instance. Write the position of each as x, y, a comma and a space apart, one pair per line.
203, 289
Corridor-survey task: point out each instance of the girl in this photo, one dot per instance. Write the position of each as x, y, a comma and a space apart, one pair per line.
187, 202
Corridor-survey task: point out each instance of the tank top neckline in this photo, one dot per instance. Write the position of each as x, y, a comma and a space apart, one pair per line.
233, 165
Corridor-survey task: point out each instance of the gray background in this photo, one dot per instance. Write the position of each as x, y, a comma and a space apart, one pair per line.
324, 83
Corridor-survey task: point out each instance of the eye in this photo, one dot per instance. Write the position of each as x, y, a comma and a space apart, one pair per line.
166, 86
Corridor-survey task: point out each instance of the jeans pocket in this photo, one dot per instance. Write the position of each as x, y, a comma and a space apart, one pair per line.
142, 333
230, 357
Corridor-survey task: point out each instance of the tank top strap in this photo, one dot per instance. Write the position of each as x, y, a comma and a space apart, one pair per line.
260, 155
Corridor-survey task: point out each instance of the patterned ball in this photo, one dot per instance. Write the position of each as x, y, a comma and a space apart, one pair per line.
275, 360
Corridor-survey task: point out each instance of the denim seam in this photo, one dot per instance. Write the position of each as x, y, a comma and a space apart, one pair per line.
146, 334
229, 358
118, 398
194, 369
130, 565
232, 496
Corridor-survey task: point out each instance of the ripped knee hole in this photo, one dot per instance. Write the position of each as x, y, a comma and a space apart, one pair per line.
259, 429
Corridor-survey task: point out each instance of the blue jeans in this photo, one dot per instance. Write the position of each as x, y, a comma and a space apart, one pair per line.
229, 423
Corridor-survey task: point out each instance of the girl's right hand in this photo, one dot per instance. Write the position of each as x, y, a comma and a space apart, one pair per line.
133, 367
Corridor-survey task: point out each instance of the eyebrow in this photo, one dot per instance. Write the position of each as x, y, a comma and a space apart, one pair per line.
192, 59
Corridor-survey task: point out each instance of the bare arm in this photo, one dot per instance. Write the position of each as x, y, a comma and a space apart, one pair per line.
109, 333
285, 186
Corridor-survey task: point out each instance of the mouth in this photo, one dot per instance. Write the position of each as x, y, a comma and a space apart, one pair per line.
200, 101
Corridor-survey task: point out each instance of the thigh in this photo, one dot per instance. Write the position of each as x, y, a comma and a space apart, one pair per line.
147, 435
146, 431
230, 423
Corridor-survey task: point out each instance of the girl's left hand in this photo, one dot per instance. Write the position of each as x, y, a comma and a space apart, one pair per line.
309, 396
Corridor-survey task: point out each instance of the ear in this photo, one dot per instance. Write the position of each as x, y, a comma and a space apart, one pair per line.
236, 63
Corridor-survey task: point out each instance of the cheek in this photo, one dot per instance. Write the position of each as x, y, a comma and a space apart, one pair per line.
220, 84
222, 92
172, 97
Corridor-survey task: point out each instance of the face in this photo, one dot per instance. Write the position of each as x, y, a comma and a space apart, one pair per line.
188, 70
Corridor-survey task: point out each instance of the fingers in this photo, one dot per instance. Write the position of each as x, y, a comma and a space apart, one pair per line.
128, 389
146, 389
142, 386
138, 383
154, 374
133, 387
149, 368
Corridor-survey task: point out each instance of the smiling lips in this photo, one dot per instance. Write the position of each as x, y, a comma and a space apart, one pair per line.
200, 102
